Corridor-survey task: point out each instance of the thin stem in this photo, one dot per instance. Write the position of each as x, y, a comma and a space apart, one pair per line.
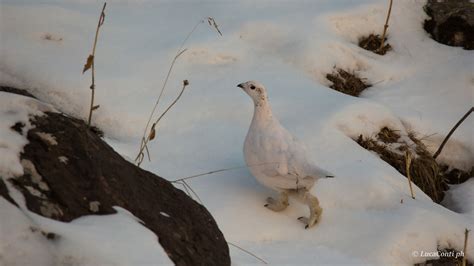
407, 168
194, 192
451, 132
92, 98
385, 27
466, 236
145, 140
218, 171
179, 52
92, 87
248, 252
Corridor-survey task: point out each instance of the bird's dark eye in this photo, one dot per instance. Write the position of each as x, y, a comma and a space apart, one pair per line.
252, 87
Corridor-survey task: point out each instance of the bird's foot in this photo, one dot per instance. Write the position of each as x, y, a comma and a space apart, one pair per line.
309, 222
276, 205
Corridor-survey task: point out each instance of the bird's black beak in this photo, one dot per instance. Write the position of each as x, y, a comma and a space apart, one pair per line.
240, 86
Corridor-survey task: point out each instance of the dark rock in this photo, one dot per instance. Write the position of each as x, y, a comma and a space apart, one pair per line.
16, 91
451, 22
70, 172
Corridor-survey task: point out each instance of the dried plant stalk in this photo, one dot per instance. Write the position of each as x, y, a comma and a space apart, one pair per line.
150, 132
90, 64
385, 27
452, 131
466, 236
407, 165
248, 252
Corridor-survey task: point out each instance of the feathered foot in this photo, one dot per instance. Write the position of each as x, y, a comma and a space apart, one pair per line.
278, 205
315, 210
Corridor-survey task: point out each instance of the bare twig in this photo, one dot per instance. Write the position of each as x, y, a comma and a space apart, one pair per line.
90, 64
407, 165
451, 132
385, 27
248, 252
464, 259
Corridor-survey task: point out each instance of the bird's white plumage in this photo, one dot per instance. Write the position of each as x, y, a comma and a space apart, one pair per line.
276, 158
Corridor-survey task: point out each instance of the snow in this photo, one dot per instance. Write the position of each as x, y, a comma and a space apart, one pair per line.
420, 86
460, 198
21, 239
13, 109
117, 239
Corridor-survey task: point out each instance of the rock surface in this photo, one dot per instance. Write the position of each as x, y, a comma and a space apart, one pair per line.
451, 22
71, 172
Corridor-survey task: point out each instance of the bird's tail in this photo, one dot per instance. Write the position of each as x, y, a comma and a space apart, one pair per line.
321, 173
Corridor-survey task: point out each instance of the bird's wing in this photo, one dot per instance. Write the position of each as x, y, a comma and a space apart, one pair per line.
288, 156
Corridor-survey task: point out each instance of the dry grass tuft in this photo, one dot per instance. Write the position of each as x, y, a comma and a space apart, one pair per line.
373, 43
346, 82
424, 171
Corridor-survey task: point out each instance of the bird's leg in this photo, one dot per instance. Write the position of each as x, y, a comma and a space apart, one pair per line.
314, 209
280, 204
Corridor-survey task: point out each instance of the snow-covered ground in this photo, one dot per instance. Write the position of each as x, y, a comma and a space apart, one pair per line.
289, 46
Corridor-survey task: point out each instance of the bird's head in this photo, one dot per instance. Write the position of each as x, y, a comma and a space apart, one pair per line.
255, 90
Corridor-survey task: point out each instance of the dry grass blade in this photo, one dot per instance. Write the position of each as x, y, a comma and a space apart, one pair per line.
188, 190
185, 188
90, 64
248, 252
192, 190
148, 153
220, 170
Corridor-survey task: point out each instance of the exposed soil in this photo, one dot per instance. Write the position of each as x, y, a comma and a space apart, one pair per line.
451, 23
373, 42
424, 170
72, 172
346, 82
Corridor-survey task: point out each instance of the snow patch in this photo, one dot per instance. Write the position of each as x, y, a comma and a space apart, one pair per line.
47, 138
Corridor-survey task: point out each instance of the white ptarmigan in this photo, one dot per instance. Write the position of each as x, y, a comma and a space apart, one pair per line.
277, 159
